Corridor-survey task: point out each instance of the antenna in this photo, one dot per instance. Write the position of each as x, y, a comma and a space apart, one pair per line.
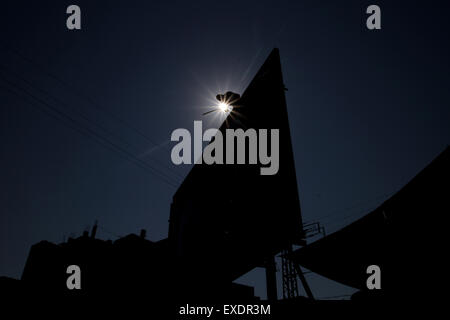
94, 229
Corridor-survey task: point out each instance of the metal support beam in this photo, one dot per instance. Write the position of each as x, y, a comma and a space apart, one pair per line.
304, 282
289, 275
271, 279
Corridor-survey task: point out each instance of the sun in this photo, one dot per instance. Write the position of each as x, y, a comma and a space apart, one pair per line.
225, 108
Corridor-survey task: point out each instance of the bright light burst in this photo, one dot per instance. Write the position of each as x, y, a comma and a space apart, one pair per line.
224, 107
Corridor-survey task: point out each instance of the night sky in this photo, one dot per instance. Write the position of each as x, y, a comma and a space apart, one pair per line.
367, 109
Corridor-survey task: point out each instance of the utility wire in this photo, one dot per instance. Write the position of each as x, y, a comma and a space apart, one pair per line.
355, 205
87, 131
109, 232
60, 102
99, 108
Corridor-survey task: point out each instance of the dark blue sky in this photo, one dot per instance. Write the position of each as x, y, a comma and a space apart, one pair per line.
368, 109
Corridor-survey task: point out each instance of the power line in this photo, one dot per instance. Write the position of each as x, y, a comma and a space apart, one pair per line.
85, 97
354, 205
109, 232
101, 127
89, 132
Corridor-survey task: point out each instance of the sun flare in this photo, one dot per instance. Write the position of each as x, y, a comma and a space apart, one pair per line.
225, 108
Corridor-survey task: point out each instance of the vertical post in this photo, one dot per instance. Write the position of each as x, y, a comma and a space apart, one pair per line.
304, 282
289, 275
271, 278
94, 230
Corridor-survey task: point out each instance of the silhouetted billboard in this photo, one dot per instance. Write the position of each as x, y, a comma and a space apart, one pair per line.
229, 217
